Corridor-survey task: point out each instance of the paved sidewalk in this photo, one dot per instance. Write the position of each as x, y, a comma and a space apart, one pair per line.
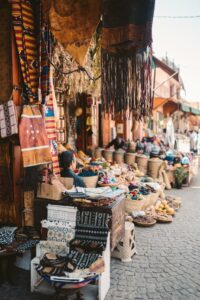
166, 267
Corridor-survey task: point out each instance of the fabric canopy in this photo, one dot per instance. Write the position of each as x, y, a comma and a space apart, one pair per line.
73, 24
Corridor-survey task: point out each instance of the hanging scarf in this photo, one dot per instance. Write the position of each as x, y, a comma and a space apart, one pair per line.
126, 56
24, 30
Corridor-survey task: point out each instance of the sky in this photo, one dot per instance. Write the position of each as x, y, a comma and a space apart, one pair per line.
180, 40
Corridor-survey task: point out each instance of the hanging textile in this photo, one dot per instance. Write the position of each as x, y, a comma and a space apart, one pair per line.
24, 31
50, 124
126, 56
33, 138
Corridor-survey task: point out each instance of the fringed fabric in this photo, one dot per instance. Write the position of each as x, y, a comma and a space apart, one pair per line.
126, 82
126, 56
24, 30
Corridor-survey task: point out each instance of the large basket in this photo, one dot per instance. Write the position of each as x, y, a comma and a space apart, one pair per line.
108, 155
119, 156
154, 165
142, 163
130, 158
90, 181
133, 205
98, 153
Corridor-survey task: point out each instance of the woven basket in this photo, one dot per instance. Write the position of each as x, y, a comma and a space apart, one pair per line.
90, 181
154, 197
154, 165
130, 158
108, 155
98, 153
142, 163
119, 156
132, 205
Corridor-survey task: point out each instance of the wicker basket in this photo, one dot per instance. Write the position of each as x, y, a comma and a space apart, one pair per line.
154, 197
154, 165
119, 156
90, 181
142, 163
98, 153
108, 155
130, 158
132, 205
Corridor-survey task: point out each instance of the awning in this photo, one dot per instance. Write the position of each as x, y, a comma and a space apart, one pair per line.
195, 111
185, 108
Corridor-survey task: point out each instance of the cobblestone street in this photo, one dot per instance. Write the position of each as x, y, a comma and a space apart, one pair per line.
167, 264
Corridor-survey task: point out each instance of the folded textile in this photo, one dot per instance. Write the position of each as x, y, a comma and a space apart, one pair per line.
94, 193
8, 120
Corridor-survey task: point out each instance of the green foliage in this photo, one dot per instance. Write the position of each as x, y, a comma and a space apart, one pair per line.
180, 174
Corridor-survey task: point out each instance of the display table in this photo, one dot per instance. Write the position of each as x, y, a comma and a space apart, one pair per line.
116, 210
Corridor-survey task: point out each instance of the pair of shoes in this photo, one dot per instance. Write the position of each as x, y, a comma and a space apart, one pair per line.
152, 190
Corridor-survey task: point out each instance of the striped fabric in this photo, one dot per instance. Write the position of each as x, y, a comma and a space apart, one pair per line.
33, 138
24, 30
50, 124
